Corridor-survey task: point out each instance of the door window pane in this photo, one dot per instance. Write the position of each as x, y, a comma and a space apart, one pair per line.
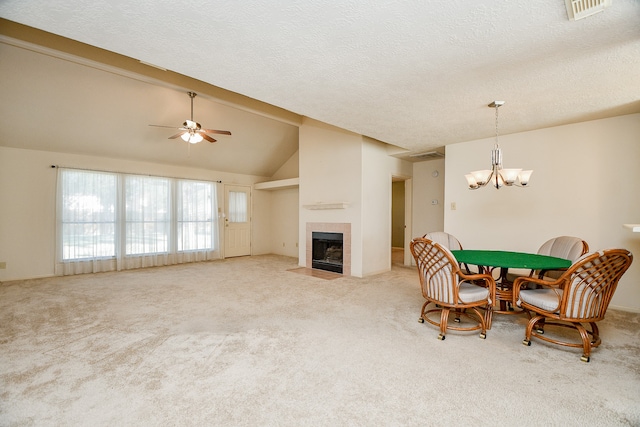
238, 206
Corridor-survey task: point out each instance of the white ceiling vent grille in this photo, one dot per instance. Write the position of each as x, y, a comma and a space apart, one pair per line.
578, 9
427, 156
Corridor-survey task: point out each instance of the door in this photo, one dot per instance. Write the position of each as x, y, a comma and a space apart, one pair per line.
237, 221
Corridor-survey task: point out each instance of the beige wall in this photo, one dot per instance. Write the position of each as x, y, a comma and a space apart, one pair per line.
585, 184
339, 166
330, 171
28, 207
378, 170
278, 209
284, 222
428, 217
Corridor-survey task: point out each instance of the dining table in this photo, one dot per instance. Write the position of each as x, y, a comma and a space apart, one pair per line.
488, 261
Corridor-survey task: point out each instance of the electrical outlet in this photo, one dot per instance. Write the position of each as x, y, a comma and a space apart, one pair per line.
3, 265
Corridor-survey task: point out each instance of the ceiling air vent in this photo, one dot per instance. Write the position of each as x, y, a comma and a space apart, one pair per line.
578, 9
427, 155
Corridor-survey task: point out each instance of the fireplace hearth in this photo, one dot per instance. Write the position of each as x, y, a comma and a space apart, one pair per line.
327, 251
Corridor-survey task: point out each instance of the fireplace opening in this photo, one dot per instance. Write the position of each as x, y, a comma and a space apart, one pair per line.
327, 251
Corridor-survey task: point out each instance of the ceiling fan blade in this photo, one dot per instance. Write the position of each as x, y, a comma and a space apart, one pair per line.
160, 126
221, 132
176, 135
207, 137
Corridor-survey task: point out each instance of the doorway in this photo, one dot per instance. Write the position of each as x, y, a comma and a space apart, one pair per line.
237, 220
400, 220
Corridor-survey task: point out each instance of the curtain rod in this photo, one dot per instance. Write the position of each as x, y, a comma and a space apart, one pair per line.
132, 173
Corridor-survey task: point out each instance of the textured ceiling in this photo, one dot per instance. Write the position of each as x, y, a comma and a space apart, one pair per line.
413, 74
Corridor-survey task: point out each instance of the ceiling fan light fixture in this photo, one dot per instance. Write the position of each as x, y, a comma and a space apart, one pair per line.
191, 137
195, 138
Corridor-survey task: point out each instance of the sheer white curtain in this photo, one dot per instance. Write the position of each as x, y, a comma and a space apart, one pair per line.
197, 221
109, 221
147, 219
87, 221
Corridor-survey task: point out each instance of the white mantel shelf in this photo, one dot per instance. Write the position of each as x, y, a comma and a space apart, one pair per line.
281, 184
326, 205
634, 227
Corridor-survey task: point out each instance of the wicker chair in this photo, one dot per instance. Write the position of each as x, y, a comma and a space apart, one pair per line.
566, 247
579, 296
445, 286
450, 242
447, 240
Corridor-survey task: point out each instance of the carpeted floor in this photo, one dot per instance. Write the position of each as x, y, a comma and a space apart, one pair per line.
246, 342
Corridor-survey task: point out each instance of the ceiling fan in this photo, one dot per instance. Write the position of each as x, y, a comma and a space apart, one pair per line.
191, 131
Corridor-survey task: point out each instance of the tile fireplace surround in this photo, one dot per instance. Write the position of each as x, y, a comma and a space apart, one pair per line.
331, 227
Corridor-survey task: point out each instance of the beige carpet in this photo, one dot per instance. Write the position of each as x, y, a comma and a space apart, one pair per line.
245, 342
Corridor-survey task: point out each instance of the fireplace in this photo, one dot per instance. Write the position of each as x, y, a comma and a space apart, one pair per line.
327, 251
343, 229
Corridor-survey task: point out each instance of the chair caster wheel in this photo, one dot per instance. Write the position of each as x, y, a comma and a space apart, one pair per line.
540, 331
483, 336
526, 342
457, 320
441, 337
421, 320
585, 358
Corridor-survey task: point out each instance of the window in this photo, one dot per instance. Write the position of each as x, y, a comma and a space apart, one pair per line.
196, 220
88, 214
127, 218
148, 215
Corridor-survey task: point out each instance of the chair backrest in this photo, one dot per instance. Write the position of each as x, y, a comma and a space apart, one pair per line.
566, 247
445, 239
437, 268
591, 282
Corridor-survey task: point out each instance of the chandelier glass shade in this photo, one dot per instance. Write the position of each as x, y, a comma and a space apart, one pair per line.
497, 175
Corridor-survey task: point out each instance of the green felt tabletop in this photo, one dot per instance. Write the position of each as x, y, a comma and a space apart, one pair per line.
506, 259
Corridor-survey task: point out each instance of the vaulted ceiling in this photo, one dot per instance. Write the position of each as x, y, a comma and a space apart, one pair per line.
417, 75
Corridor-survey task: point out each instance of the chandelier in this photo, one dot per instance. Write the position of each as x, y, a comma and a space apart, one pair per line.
497, 175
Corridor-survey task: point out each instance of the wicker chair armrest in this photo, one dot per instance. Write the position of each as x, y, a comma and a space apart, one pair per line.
476, 276
541, 273
520, 281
